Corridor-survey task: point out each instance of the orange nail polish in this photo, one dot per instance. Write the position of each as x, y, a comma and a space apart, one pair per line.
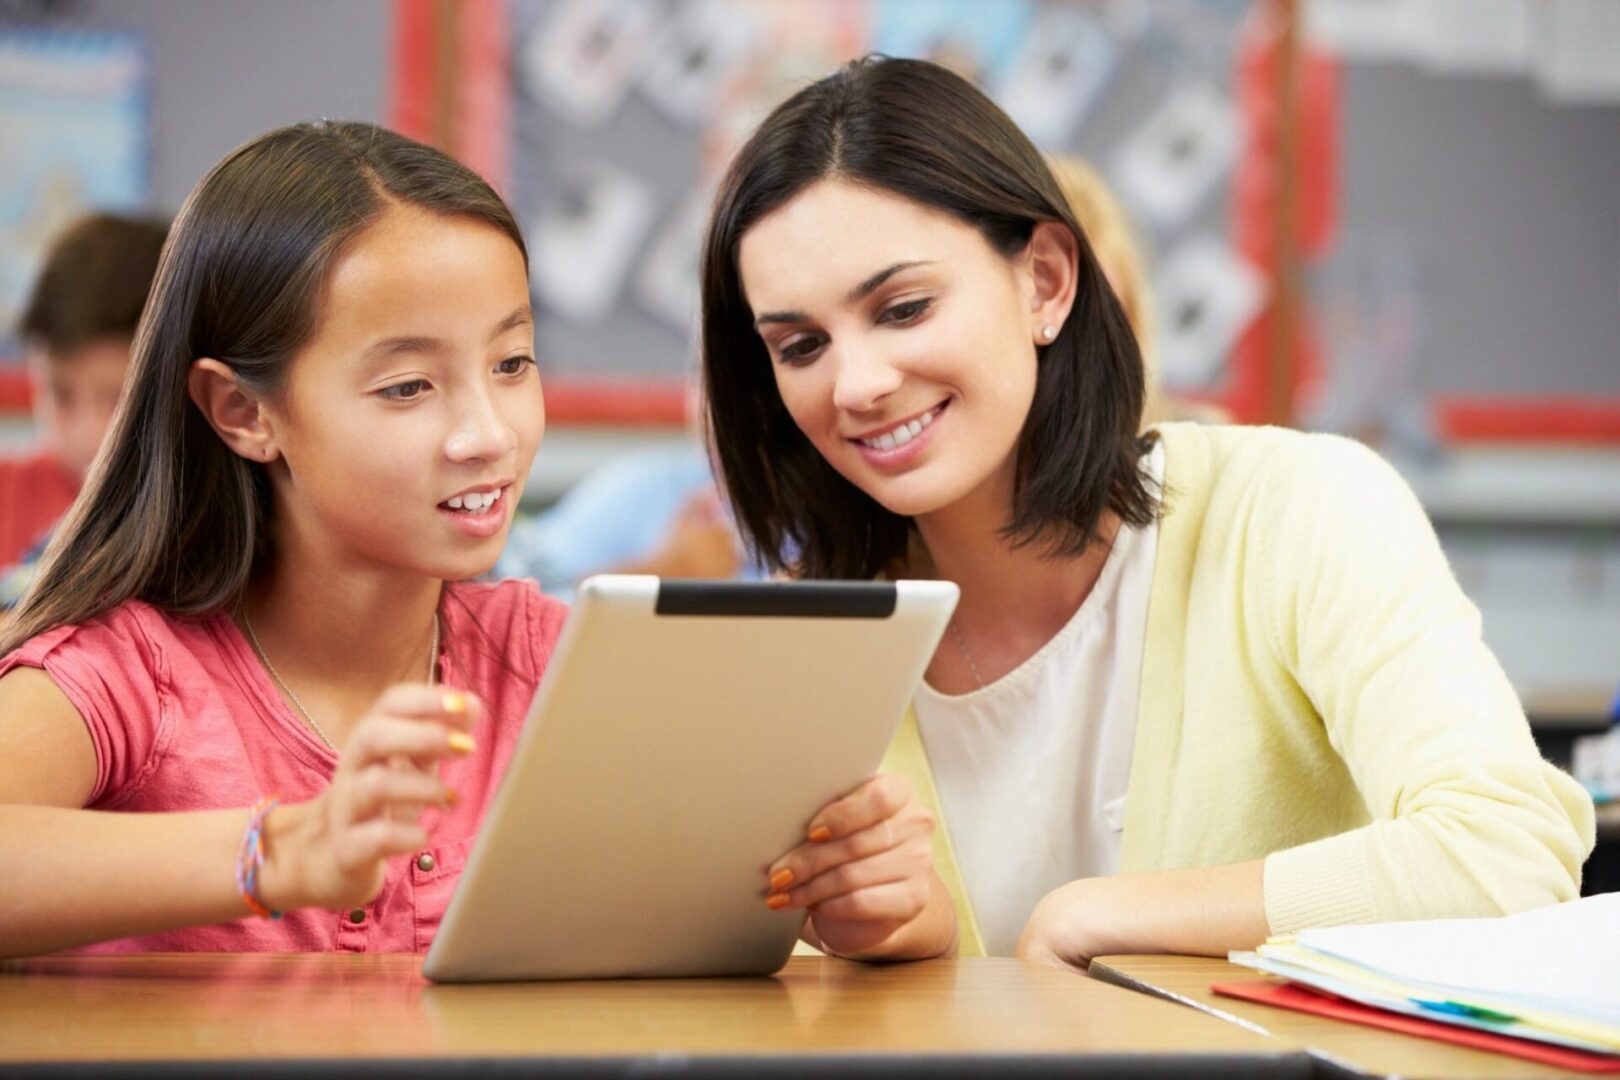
455, 703
778, 900
781, 880
461, 742
820, 834
450, 797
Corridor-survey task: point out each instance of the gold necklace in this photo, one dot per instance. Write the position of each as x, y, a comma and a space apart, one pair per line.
961, 647
433, 673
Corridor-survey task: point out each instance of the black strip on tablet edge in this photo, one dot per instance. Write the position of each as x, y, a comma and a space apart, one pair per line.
805, 599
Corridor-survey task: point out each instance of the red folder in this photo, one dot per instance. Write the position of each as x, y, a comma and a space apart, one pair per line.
1300, 999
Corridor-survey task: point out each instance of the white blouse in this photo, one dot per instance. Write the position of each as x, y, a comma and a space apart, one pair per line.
1032, 769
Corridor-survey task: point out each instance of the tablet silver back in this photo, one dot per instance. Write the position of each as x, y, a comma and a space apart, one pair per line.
681, 738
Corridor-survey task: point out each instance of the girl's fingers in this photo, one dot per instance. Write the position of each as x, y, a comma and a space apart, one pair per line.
378, 738
881, 797
424, 701
894, 901
360, 846
902, 863
378, 791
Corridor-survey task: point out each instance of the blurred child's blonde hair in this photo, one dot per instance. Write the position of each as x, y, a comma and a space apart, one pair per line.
1120, 256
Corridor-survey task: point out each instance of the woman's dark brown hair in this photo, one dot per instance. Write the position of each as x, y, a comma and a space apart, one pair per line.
169, 514
914, 129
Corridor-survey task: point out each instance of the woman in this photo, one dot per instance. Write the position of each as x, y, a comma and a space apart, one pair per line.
1204, 684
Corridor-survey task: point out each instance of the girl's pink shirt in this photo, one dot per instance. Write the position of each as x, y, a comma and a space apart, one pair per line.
184, 717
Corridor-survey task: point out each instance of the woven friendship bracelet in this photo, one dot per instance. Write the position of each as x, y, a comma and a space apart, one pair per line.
251, 858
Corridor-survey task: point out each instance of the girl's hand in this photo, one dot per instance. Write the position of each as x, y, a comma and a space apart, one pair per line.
333, 851
866, 871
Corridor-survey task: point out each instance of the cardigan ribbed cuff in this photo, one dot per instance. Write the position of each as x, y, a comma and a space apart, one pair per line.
1323, 883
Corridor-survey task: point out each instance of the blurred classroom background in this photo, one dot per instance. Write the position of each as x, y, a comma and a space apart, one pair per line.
1397, 219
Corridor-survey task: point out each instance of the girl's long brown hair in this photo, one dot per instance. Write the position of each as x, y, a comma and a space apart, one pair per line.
169, 514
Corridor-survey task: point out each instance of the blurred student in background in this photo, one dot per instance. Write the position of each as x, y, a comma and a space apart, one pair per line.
1119, 255
652, 511
77, 329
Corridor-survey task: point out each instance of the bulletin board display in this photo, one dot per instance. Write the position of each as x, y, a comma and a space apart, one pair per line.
1473, 290
74, 135
607, 122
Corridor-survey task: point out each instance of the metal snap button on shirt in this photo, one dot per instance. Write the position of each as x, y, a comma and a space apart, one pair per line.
424, 862
357, 916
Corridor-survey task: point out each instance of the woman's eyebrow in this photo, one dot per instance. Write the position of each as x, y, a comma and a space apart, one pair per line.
858, 293
873, 283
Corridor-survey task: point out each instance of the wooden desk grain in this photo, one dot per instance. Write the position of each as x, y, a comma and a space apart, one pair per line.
1187, 979
209, 1007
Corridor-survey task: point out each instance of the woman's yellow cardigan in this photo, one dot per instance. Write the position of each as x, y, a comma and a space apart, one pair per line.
1315, 692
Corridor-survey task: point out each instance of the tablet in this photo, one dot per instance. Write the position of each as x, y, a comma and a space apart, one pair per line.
681, 739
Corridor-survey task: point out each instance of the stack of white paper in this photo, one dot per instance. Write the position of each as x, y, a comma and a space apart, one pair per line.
1552, 974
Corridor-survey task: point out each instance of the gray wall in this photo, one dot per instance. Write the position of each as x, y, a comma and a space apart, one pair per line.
223, 72
1508, 209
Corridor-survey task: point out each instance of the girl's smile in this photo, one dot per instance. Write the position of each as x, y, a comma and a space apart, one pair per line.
479, 512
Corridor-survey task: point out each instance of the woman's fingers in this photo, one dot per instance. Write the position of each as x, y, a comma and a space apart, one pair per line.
881, 797
808, 862
911, 859
892, 902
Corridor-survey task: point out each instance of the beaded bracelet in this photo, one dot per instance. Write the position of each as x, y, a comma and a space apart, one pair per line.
251, 858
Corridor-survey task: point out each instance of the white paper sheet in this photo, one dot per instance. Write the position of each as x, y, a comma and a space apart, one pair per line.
1371, 30
583, 61
695, 55
1207, 295
1058, 74
1489, 37
667, 283
582, 244
1578, 51
1179, 155
1561, 953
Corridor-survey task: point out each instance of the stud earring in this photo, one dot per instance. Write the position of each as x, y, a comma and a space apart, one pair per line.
1048, 333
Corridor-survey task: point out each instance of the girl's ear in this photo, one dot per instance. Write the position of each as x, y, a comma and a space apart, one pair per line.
1052, 259
230, 410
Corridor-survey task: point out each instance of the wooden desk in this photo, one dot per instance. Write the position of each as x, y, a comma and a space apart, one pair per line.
1187, 979
1571, 710
1608, 823
262, 1011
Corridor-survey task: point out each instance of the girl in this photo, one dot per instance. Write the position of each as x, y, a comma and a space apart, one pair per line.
1203, 685
333, 405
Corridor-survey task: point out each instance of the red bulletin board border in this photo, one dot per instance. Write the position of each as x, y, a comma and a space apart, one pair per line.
1458, 420
451, 87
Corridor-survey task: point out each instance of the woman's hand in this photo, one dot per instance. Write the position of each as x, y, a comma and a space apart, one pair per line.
1202, 911
1066, 928
866, 876
333, 851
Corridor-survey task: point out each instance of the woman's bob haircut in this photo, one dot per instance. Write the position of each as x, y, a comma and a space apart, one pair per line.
914, 129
